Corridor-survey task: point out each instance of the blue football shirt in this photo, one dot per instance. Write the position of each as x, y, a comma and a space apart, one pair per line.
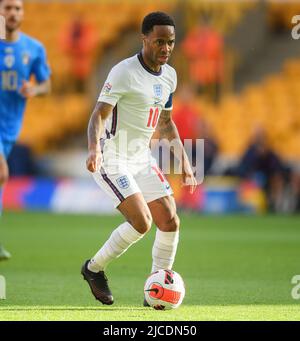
18, 61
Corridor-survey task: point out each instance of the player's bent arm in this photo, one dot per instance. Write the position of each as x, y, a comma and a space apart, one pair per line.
168, 130
166, 127
3, 171
96, 128
29, 90
43, 88
97, 123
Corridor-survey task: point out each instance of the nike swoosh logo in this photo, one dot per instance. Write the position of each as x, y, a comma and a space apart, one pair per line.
167, 187
157, 102
154, 290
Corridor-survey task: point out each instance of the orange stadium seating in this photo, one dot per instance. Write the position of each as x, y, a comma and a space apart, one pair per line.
273, 103
225, 15
48, 120
281, 12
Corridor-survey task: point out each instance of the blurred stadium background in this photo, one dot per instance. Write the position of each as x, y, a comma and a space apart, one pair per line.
238, 73
238, 83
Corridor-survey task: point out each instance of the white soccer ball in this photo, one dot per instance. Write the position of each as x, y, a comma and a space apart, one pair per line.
164, 289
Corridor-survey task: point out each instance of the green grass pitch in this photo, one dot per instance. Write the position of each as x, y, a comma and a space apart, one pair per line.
234, 267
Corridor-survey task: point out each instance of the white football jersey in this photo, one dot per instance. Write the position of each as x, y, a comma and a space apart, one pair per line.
138, 95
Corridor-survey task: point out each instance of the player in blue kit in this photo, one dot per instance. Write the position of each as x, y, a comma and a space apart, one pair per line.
20, 57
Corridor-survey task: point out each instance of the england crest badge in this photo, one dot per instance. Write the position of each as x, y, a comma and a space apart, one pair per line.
123, 182
157, 88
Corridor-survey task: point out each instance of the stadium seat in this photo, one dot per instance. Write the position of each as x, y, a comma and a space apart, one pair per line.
273, 103
67, 114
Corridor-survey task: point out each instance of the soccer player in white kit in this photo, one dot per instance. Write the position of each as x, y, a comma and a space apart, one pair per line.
136, 100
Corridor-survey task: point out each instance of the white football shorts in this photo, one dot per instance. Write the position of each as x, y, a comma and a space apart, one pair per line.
122, 181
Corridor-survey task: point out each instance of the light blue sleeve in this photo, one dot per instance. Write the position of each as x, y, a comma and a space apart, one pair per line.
40, 68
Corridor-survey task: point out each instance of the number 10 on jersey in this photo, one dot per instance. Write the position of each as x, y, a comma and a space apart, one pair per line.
153, 117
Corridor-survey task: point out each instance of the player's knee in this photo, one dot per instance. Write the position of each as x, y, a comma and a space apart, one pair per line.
170, 225
142, 223
175, 223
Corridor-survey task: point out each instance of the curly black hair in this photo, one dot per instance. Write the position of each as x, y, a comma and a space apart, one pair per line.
156, 18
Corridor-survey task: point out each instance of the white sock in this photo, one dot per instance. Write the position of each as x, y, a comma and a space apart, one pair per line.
119, 241
164, 250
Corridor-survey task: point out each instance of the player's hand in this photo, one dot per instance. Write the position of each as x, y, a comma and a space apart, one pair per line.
3, 170
28, 89
93, 161
188, 178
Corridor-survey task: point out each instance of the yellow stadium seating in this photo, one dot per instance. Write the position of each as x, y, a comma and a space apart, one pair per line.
49, 120
274, 104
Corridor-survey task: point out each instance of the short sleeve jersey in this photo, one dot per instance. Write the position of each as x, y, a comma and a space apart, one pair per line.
138, 95
18, 61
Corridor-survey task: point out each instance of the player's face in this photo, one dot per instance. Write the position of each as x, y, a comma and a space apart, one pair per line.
13, 12
159, 44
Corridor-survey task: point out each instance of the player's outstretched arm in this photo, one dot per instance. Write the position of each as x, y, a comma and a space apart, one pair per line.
96, 128
168, 130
